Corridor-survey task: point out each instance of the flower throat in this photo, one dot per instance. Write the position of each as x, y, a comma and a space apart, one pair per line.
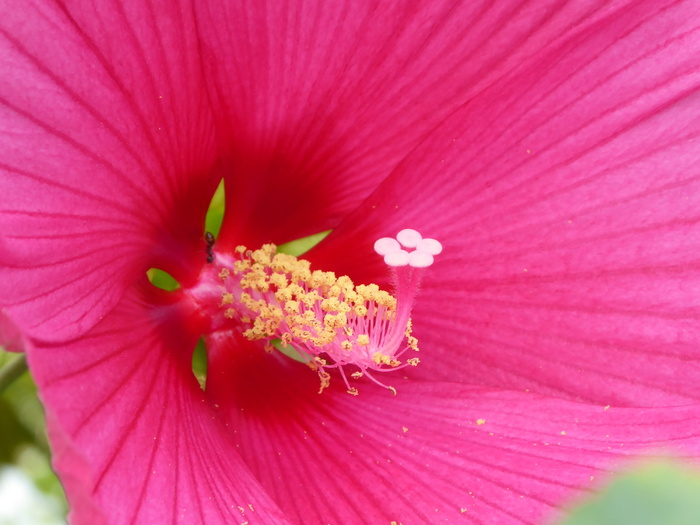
328, 320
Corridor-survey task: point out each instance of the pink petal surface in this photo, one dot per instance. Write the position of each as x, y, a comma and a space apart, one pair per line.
568, 212
133, 436
318, 101
562, 185
106, 155
434, 453
76, 476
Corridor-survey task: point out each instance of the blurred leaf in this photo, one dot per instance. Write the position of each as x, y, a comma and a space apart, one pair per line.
11, 368
298, 247
24, 408
655, 494
162, 279
288, 350
199, 363
217, 208
23, 439
14, 434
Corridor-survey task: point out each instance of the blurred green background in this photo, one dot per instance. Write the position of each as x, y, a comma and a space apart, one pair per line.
29, 491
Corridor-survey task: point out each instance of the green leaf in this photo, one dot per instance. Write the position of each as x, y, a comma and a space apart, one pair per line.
217, 208
23, 441
656, 494
299, 247
162, 279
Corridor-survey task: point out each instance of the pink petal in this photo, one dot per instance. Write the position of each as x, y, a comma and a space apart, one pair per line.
318, 101
76, 476
133, 437
106, 155
435, 452
566, 197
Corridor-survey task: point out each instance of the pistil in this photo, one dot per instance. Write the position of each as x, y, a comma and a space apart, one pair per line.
328, 320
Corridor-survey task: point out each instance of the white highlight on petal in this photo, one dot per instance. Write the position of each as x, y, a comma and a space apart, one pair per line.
409, 238
397, 258
431, 246
386, 245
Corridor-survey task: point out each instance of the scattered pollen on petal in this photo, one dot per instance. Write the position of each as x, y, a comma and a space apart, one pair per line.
329, 320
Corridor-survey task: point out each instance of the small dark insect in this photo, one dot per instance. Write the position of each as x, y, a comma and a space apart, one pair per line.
210, 240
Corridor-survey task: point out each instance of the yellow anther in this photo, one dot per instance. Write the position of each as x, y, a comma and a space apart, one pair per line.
363, 340
330, 305
311, 298
264, 255
279, 280
344, 308
300, 274
382, 359
241, 266
248, 301
297, 291
325, 337
301, 334
309, 316
367, 290
291, 307
353, 297
335, 321
283, 295
360, 310
319, 279
325, 380
271, 311
345, 283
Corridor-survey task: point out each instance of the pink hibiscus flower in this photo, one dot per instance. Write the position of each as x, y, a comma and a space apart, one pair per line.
552, 147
